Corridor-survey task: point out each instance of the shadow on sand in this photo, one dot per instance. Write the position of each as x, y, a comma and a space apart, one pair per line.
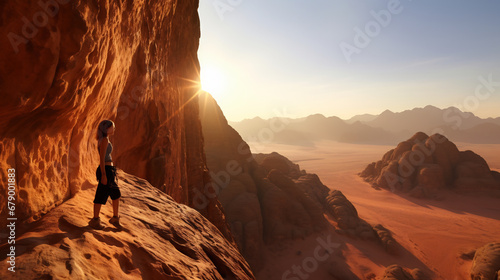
476, 204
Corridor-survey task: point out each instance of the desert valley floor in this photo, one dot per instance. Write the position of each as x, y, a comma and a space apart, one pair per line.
434, 233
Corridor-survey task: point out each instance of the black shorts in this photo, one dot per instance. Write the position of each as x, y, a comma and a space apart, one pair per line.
111, 189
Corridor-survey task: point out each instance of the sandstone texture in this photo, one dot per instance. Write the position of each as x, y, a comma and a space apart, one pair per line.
67, 65
159, 239
423, 165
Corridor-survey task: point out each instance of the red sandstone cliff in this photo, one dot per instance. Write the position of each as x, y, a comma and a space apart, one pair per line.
67, 65
83, 61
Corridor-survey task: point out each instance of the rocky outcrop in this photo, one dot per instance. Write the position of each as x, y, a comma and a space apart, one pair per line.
396, 272
67, 65
486, 263
349, 223
386, 239
159, 239
265, 202
422, 165
346, 215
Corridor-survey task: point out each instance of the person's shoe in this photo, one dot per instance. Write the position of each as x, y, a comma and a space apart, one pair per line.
96, 223
115, 221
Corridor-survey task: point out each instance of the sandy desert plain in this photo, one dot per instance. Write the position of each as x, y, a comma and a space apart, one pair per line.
434, 233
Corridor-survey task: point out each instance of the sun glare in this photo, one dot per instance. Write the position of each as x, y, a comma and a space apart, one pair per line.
212, 81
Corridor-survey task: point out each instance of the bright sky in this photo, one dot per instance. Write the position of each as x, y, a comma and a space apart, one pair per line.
342, 58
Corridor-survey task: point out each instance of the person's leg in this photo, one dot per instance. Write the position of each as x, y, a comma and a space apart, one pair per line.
97, 209
96, 221
115, 220
114, 190
116, 205
114, 193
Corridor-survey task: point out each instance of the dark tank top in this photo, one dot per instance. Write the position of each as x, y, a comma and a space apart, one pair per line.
109, 149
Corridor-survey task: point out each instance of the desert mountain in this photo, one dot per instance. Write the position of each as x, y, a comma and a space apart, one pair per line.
427, 119
385, 128
485, 133
362, 118
305, 131
423, 165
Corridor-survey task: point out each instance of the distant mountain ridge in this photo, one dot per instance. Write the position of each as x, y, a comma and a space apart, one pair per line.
362, 118
386, 128
428, 117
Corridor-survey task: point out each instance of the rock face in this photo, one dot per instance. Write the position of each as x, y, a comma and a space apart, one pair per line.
345, 214
422, 165
266, 198
159, 239
68, 65
349, 223
486, 263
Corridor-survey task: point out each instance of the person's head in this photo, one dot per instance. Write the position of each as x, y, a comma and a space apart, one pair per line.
105, 128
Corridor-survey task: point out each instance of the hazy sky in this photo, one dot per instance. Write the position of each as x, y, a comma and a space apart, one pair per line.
343, 58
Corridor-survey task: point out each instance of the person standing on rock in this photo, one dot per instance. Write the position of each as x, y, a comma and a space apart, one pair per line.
106, 176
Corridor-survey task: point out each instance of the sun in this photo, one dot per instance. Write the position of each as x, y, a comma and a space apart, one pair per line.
212, 81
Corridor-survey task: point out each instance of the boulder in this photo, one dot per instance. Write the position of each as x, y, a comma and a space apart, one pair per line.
486, 263
396, 272
424, 165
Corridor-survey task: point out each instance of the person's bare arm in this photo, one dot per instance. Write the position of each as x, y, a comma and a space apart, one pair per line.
102, 148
